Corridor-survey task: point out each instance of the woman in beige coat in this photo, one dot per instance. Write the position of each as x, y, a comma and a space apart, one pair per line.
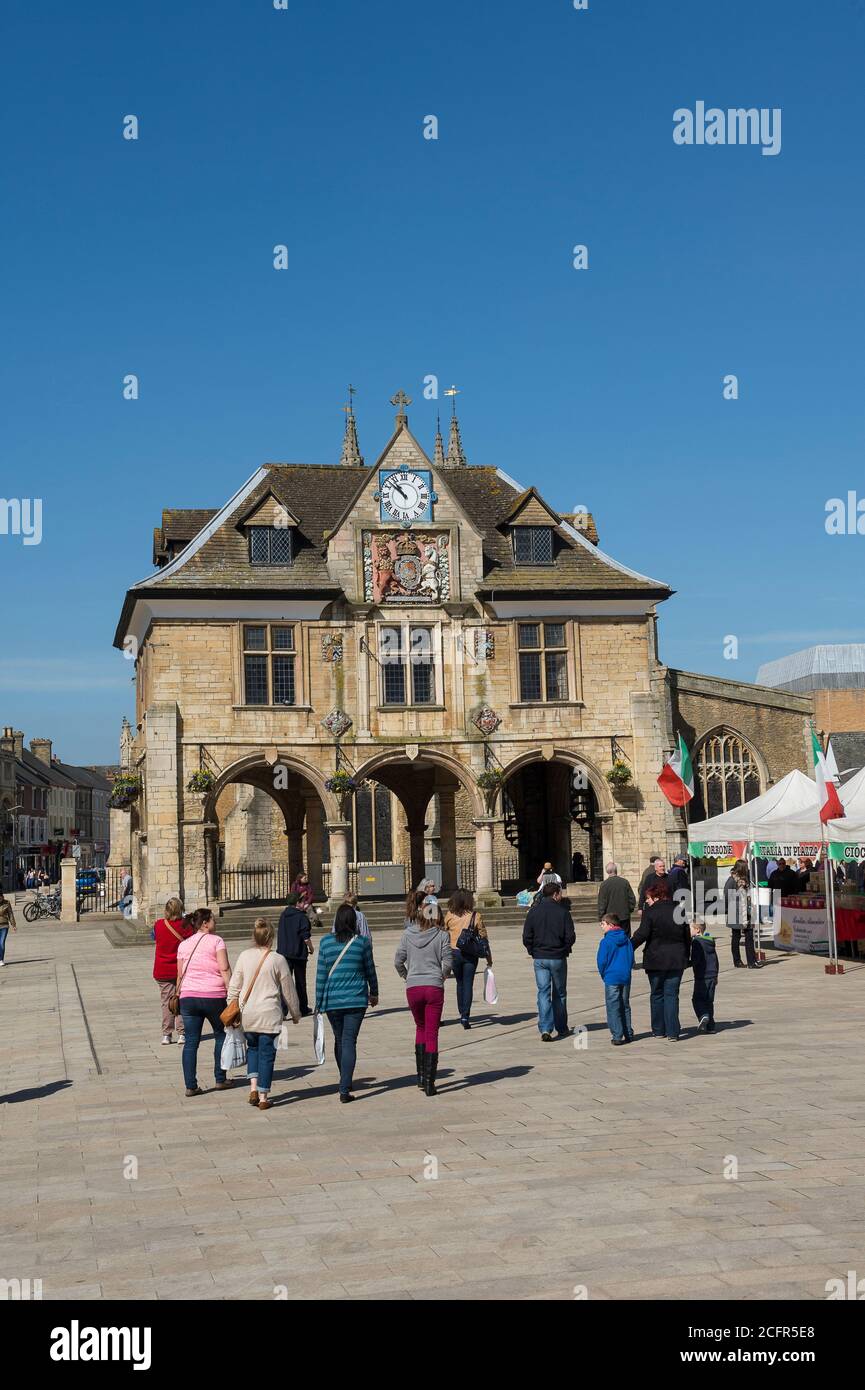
262, 983
7, 923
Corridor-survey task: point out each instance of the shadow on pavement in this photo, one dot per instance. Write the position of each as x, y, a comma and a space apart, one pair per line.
35, 1092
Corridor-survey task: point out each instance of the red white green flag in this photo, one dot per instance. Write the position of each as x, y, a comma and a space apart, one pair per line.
677, 779
828, 800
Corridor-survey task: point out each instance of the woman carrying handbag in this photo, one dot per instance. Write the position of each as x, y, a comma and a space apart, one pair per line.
345, 984
203, 972
469, 945
259, 988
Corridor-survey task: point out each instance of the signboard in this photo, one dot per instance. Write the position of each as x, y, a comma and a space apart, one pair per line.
730, 850
846, 852
803, 929
790, 849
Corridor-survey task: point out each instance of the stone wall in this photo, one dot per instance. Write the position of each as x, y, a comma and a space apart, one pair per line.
774, 722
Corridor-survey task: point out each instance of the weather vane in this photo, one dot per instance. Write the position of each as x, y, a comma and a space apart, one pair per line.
453, 392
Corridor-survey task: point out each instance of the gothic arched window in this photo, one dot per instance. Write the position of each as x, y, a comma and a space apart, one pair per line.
726, 774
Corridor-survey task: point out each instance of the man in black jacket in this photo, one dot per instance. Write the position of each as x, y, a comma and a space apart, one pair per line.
548, 936
657, 873
616, 899
294, 942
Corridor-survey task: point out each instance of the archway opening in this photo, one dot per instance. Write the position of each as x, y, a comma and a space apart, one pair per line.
551, 813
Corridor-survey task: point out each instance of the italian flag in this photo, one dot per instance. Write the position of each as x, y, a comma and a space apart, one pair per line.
828, 801
677, 779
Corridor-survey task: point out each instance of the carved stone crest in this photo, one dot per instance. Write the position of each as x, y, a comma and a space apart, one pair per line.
486, 720
336, 722
331, 648
406, 566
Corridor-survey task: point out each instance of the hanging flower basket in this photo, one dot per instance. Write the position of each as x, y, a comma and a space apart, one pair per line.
125, 791
489, 781
342, 784
201, 781
619, 774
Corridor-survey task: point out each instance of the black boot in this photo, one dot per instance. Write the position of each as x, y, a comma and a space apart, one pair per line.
419, 1054
431, 1063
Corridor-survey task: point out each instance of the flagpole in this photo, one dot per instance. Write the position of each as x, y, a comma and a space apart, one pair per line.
690, 860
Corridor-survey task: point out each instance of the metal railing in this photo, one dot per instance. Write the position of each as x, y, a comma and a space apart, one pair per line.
266, 883
505, 866
97, 890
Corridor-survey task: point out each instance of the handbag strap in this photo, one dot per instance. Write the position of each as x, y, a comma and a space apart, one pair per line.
189, 962
175, 934
335, 964
265, 953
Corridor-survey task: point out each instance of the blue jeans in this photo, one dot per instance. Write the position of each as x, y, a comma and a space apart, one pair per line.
551, 978
346, 1026
464, 968
664, 1002
618, 1001
4, 932
703, 999
194, 1012
260, 1057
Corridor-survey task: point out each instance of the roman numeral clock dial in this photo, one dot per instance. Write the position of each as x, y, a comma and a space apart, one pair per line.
405, 496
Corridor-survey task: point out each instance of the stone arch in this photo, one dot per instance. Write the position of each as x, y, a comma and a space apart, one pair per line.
597, 780
255, 763
392, 757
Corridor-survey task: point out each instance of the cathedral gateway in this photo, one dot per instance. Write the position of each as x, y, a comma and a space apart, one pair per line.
371, 672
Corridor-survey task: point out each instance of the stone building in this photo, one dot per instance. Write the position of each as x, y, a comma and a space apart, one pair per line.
440, 635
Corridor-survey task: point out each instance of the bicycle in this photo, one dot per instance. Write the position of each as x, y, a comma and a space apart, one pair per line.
43, 905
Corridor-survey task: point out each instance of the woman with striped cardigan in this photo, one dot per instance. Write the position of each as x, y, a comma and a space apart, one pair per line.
345, 984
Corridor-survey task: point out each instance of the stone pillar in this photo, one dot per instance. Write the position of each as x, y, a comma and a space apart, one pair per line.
338, 832
606, 822
164, 848
416, 851
68, 896
363, 688
448, 837
486, 892
294, 835
120, 839
195, 874
314, 842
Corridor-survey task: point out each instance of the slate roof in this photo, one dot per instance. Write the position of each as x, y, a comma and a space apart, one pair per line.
315, 493
320, 496
490, 499
849, 750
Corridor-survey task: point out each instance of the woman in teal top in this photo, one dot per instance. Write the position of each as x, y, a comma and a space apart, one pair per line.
344, 990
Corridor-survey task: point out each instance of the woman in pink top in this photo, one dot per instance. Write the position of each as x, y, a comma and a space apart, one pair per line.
203, 973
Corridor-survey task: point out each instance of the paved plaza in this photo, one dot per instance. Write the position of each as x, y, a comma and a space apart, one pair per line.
540, 1170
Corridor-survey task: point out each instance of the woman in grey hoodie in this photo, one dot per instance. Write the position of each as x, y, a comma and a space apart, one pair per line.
423, 959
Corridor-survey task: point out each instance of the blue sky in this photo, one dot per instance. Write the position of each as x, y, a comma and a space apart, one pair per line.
409, 257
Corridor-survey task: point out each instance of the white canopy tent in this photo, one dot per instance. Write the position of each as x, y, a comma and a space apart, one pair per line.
806, 825
793, 799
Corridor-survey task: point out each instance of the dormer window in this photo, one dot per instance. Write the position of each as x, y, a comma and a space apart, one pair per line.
271, 545
533, 545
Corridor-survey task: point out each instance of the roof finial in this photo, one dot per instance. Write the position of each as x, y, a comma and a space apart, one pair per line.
351, 456
401, 400
439, 451
456, 456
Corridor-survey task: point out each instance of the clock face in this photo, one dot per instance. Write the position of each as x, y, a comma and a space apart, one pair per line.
405, 496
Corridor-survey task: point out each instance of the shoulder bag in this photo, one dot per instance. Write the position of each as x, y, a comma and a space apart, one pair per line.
317, 1017
469, 941
231, 1013
174, 1001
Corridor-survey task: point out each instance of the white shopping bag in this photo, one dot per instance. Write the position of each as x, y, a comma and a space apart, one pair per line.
490, 992
233, 1049
282, 1040
318, 1037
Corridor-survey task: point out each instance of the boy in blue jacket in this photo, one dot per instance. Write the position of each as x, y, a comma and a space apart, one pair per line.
615, 963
